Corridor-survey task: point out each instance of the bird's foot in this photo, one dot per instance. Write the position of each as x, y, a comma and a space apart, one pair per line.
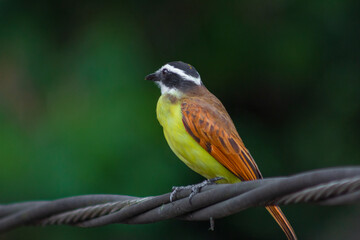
195, 188
212, 224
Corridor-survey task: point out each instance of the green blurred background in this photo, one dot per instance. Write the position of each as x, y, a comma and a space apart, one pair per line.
77, 117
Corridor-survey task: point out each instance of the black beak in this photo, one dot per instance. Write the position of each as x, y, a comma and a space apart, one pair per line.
152, 77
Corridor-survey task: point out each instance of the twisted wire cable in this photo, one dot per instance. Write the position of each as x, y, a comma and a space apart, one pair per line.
335, 186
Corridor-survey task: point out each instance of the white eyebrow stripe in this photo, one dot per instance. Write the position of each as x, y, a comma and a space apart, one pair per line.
181, 73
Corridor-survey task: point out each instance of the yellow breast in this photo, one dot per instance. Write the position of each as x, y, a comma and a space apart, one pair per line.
184, 146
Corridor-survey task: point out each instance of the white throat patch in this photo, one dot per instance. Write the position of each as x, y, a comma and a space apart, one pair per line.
196, 80
166, 90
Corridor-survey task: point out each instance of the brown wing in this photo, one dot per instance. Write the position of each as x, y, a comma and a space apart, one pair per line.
207, 121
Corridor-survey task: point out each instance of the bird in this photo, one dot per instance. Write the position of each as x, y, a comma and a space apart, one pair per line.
201, 133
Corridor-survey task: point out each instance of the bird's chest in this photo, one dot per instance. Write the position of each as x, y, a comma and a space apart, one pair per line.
168, 112
170, 117
182, 144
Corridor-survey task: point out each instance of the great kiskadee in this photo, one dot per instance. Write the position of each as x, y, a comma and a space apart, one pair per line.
201, 133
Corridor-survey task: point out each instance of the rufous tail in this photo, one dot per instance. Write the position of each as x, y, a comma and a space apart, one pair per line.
280, 218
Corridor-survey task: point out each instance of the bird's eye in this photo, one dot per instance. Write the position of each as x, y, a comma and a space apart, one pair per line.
165, 71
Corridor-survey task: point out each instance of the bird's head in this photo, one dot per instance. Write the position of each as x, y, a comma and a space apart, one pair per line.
175, 77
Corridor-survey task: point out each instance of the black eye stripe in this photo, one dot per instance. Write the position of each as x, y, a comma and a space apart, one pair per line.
173, 80
165, 71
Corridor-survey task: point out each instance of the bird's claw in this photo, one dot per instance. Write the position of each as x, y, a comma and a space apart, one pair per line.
195, 188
